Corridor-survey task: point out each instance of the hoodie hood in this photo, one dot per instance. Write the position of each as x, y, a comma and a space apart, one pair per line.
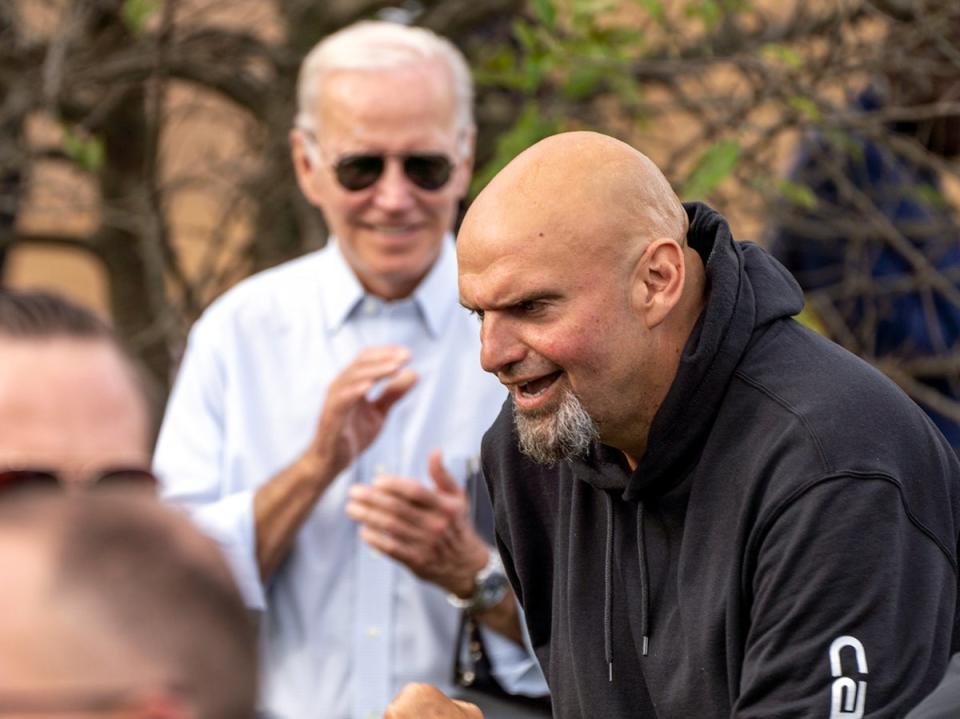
746, 289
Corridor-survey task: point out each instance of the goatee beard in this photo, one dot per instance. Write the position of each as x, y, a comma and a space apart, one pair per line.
551, 436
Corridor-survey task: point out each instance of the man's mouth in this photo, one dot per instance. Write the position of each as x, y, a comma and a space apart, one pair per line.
394, 230
536, 387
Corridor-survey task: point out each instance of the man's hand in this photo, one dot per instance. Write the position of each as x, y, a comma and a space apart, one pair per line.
429, 530
422, 701
349, 421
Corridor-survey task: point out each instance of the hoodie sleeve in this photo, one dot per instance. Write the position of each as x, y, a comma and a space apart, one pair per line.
852, 605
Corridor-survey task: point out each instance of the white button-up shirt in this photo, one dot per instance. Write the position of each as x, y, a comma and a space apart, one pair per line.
344, 627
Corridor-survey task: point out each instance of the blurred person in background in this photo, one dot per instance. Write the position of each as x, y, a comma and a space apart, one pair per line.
303, 428
878, 248
114, 605
73, 408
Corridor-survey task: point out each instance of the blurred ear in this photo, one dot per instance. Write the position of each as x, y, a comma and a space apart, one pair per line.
464, 170
306, 165
658, 281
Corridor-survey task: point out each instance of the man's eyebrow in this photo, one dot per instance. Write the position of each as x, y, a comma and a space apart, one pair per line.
513, 302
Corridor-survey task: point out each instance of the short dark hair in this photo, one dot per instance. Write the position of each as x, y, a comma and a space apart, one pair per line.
42, 315
37, 314
140, 569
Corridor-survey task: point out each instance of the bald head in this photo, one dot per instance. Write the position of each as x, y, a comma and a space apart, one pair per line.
583, 187
575, 257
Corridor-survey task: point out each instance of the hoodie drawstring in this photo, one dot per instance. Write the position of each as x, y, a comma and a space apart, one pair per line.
608, 587
608, 591
644, 581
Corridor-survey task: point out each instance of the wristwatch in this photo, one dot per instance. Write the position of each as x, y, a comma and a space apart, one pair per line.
491, 587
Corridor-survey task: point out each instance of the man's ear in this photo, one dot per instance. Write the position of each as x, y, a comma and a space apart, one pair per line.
305, 162
467, 146
658, 280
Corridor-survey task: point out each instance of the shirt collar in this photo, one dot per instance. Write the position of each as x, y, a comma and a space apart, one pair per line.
341, 290
435, 296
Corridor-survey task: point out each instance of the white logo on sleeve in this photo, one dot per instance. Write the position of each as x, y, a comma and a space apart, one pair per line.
847, 696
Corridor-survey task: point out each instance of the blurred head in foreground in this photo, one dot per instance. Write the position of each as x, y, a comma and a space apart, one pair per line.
116, 606
72, 406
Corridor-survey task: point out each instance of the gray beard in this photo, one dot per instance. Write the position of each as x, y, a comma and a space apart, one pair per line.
548, 437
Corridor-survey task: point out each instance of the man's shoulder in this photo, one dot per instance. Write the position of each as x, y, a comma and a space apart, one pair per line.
819, 411
267, 292
820, 384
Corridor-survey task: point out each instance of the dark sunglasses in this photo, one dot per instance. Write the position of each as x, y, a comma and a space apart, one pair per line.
15, 479
428, 172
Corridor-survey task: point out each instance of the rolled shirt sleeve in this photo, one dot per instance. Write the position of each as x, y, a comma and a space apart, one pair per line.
188, 460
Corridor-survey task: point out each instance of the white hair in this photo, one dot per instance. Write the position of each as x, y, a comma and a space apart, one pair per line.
552, 436
379, 45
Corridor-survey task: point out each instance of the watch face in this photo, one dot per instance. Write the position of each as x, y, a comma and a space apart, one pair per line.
491, 590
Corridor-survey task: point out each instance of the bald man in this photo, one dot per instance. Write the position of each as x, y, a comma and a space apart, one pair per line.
704, 508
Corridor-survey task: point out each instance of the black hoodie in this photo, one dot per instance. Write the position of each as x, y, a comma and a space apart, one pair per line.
787, 546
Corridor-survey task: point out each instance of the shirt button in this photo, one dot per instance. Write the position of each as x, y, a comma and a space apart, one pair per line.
370, 306
379, 469
373, 632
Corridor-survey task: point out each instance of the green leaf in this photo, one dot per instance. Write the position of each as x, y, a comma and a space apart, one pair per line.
931, 195
797, 193
775, 52
546, 13
137, 13
805, 106
530, 128
583, 79
713, 167
655, 8
809, 319
524, 32
707, 11
86, 151
585, 13
630, 93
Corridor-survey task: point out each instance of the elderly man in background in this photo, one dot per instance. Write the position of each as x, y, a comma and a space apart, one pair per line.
72, 406
315, 396
115, 606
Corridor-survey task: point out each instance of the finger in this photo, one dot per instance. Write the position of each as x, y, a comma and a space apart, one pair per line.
470, 711
406, 490
444, 481
396, 388
386, 509
425, 529
374, 370
382, 352
348, 391
388, 544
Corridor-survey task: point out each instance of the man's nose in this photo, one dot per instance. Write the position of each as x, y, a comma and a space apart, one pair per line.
393, 190
499, 346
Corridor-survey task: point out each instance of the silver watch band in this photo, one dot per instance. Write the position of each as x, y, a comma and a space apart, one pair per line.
491, 587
